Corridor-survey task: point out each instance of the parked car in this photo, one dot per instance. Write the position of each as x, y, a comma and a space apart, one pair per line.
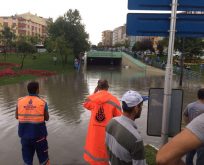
177, 53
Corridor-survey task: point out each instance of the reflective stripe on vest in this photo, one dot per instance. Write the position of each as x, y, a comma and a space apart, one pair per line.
94, 158
31, 110
114, 104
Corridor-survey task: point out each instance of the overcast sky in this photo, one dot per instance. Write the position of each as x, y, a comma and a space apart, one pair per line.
97, 15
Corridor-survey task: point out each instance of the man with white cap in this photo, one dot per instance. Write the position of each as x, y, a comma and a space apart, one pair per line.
124, 143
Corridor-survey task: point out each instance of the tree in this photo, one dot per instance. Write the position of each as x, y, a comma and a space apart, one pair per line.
62, 47
143, 45
160, 47
25, 48
7, 37
136, 46
190, 46
127, 43
70, 28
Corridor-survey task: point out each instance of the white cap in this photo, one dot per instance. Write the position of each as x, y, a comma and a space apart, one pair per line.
132, 98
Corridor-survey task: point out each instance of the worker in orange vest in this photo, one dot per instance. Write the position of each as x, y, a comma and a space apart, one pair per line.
32, 112
103, 106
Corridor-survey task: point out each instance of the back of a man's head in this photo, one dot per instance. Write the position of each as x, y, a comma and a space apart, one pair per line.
200, 94
103, 84
130, 99
33, 87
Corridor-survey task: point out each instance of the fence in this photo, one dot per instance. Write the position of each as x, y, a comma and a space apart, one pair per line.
187, 73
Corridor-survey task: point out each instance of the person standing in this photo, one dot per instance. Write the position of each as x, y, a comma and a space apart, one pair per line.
103, 107
124, 143
189, 139
193, 110
32, 112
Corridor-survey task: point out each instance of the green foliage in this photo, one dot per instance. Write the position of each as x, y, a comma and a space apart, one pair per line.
7, 36
63, 49
127, 44
70, 28
143, 45
31, 39
160, 47
50, 45
25, 47
150, 155
189, 46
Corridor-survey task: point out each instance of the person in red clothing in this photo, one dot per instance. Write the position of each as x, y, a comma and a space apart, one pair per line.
103, 106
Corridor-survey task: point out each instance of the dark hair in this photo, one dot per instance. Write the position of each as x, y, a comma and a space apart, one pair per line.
32, 87
126, 108
129, 109
102, 84
200, 94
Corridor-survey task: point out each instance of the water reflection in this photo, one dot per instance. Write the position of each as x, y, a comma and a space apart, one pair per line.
68, 119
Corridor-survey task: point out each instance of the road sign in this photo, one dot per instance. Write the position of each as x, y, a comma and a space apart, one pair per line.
158, 25
183, 5
155, 110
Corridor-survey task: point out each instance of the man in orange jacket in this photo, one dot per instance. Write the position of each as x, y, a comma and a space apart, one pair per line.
32, 112
103, 106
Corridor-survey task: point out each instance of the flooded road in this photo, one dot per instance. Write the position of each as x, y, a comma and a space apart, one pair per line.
68, 119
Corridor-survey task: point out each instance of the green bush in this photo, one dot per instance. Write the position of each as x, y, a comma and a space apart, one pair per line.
150, 154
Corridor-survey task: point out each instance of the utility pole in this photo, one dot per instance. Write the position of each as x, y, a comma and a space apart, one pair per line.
168, 75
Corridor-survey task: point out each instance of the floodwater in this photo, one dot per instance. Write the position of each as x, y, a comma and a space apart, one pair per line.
68, 119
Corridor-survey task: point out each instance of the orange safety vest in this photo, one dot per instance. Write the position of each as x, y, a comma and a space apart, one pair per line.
103, 107
31, 109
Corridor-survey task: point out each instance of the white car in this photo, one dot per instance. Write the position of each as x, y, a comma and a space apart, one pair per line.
177, 53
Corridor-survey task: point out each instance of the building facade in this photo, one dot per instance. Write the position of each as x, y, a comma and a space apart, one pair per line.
107, 36
119, 35
26, 25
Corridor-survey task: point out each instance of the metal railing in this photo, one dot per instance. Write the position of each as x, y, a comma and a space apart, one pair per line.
187, 73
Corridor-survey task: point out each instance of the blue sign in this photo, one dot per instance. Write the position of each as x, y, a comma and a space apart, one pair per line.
159, 24
183, 5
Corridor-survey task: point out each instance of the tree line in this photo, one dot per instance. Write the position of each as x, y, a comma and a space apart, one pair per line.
189, 46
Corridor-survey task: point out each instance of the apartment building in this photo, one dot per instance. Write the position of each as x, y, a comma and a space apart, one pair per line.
107, 36
25, 24
119, 35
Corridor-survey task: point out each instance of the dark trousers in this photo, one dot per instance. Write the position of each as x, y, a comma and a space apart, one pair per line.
29, 146
200, 156
189, 157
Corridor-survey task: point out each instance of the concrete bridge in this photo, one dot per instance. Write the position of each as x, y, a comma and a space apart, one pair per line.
104, 58
119, 58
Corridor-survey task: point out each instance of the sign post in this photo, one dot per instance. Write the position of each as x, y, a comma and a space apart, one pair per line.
142, 25
168, 75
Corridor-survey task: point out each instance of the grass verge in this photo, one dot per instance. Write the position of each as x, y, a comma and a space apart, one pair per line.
43, 61
150, 154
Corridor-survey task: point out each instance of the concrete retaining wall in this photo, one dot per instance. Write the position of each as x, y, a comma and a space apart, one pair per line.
128, 61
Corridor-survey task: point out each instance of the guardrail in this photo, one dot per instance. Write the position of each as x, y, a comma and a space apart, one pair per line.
135, 61
104, 54
188, 74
